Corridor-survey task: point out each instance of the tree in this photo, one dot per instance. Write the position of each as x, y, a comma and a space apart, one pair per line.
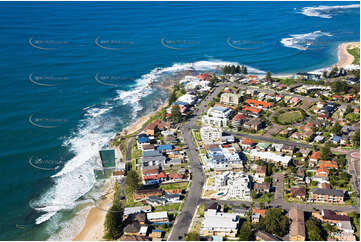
314, 230
339, 86
356, 138
275, 222
132, 180
113, 223
326, 153
172, 97
348, 110
336, 129
193, 236
176, 115
245, 232
324, 74
268, 76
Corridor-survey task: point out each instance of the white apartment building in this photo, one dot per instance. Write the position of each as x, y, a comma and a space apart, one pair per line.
217, 116
211, 135
239, 187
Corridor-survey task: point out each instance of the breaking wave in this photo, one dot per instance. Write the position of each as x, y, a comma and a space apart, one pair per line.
326, 11
303, 41
77, 176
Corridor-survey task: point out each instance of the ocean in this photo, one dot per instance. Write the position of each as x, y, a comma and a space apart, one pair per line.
74, 73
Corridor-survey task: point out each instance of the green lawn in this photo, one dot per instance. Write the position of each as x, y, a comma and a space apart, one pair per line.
290, 117
181, 185
356, 54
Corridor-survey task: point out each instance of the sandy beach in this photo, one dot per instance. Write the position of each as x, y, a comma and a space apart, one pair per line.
94, 225
345, 58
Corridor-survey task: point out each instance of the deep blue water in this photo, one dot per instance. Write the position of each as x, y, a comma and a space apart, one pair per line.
51, 53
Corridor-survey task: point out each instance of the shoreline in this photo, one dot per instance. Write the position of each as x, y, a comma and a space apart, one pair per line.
93, 229
343, 59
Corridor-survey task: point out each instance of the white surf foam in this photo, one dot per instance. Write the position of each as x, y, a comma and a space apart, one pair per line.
303, 41
77, 177
142, 88
326, 11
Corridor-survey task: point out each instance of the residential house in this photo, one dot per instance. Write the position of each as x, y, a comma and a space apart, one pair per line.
259, 104
238, 120
142, 194
158, 217
165, 148
219, 224
156, 201
155, 126
261, 187
156, 233
263, 146
251, 111
247, 143
132, 229
298, 192
314, 158
284, 160
264, 236
152, 158
175, 177
172, 198
136, 210
142, 139
257, 214
289, 149
327, 195
297, 228
255, 124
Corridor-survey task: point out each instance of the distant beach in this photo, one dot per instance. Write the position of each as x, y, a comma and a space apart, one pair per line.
345, 58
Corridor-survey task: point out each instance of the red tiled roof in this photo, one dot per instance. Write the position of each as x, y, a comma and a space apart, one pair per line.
155, 177
259, 103
239, 116
247, 141
251, 109
175, 176
315, 155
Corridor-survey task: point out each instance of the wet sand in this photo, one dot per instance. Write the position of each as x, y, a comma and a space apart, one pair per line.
345, 58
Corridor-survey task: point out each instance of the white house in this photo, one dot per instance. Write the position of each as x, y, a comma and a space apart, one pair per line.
187, 98
222, 224
270, 156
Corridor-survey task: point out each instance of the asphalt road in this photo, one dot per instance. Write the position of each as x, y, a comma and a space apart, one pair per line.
183, 221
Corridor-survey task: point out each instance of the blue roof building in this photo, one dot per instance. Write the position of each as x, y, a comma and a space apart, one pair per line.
166, 147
